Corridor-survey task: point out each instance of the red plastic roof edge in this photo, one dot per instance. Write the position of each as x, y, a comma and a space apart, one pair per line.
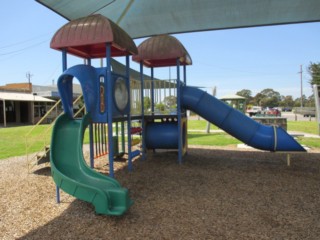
161, 51
87, 37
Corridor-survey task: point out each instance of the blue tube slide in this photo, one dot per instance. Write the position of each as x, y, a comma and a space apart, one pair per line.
162, 135
237, 124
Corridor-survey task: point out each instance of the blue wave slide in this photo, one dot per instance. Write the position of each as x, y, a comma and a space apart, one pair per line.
237, 124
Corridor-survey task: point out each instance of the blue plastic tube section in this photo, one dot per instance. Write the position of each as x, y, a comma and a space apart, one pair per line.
162, 135
237, 124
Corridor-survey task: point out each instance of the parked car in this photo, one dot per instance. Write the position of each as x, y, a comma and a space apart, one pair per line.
273, 112
287, 109
254, 111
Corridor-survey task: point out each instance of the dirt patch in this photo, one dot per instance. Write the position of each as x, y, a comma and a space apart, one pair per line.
217, 193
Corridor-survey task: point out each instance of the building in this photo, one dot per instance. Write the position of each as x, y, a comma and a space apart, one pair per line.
235, 101
24, 103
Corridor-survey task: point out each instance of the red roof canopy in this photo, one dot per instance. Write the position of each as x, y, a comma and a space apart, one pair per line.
87, 37
162, 51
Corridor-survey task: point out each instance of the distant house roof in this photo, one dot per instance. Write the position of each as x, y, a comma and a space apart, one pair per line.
232, 97
26, 97
17, 87
52, 91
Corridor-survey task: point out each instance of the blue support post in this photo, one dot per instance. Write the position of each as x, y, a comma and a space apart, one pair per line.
185, 75
64, 60
58, 194
122, 137
116, 141
129, 116
91, 145
152, 95
142, 113
91, 134
179, 113
184, 110
152, 92
64, 67
109, 109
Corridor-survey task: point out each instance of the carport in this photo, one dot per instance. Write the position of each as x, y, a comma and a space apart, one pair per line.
19, 107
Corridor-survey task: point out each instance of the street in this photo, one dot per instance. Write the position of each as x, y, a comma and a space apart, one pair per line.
298, 117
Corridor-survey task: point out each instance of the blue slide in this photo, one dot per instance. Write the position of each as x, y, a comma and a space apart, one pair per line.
237, 124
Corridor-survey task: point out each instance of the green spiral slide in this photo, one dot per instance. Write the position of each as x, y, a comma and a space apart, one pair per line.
71, 173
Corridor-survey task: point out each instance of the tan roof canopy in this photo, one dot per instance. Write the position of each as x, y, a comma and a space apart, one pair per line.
87, 37
160, 51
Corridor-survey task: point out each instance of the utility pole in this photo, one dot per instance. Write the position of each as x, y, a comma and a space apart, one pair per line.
214, 92
301, 86
29, 76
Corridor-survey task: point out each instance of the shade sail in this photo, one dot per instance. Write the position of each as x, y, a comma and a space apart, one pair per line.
142, 18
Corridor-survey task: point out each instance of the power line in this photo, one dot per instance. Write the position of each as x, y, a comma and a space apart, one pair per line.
23, 41
23, 49
301, 86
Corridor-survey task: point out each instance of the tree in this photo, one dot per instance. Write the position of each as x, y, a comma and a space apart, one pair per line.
287, 101
245, 93
297, 101
147, 103
314, 71
270, 93
270, 102
267, 98
170, 101
160, 107
257, 99
310, 102
270, 98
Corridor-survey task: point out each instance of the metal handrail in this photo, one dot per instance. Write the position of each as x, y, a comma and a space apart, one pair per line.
79, 111
43, 134
44, 117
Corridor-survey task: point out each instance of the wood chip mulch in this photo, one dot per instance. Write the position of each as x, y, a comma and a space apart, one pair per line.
217, 193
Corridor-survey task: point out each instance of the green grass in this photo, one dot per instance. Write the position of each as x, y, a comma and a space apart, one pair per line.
212, 139
200, 125
12, 139
303, 126
223, 139
309, 142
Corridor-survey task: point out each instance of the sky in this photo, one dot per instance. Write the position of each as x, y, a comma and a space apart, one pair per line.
230, 60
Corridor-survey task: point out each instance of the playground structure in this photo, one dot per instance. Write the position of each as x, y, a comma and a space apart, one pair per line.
113, 98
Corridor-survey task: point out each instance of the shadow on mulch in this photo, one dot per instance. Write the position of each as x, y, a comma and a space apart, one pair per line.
214, 194
45, 171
